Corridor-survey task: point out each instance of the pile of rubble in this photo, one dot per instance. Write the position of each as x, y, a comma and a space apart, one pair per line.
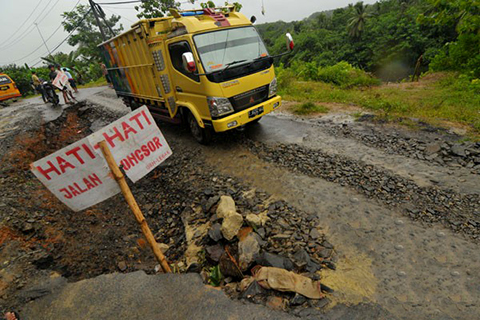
269, 254
429, 143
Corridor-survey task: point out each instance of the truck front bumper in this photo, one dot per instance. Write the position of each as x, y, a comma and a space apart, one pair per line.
243, 117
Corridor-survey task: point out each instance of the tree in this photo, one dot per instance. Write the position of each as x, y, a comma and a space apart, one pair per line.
463, 54
86, 33
155, 8
356, 25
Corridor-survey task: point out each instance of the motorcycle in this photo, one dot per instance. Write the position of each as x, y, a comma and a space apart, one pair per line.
50, 93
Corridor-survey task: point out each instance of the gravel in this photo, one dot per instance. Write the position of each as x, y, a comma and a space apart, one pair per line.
459, 212
427, 143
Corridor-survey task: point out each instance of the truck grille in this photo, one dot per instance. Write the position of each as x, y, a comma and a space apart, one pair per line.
250, 98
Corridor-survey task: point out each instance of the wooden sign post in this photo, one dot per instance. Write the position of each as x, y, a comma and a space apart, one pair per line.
132, 203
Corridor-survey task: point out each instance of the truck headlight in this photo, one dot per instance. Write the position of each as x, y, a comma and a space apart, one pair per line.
219, 106
272, 88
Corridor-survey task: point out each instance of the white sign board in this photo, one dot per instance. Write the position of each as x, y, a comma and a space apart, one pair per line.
61, 80
79, 175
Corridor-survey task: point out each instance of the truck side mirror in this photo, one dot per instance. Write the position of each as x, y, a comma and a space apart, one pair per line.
290, 43
189, 62
253, 19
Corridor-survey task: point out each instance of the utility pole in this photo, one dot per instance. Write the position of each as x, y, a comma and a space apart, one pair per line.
44, 42
95, 13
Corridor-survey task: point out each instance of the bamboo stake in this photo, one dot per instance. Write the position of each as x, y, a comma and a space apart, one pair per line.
132, 203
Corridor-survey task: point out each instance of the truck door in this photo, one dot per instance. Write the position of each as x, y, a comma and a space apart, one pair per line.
187, 85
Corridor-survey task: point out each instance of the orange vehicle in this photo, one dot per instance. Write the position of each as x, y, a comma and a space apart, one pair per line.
8, 88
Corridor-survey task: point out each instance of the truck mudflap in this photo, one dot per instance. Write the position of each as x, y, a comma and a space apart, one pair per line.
248, 115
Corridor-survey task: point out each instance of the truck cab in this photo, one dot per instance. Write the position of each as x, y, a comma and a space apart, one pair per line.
209, 68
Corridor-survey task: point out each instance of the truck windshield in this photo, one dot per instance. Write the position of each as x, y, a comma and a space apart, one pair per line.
220, 49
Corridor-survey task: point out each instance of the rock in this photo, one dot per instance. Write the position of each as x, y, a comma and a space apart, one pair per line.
298, 300
301, 258
275, 303
163, 247
208, 192
231, 225
314, 234
27, 227
432, 149
303, 261
122, 266
248, 248
261, 232
215, 233
281, 236
458, 150
253, 290
272, 260
226, 206
214, 252
244, 232
228, 268
257, 220
211, 202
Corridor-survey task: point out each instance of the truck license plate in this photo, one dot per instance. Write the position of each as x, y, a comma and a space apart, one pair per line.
255, 112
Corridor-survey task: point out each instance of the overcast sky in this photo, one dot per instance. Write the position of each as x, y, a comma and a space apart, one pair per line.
20, 40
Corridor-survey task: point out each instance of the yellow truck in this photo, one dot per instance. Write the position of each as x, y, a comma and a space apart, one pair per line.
208, 68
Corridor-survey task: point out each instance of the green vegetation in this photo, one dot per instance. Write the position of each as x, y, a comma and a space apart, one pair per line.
341, 74
308, 108
437, 98
341, 54
215, 276
386, 38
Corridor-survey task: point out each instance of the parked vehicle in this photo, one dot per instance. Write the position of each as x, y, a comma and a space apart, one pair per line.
8, 88
207, 67
50, 93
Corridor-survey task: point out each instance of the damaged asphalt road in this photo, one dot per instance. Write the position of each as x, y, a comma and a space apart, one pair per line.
401, 231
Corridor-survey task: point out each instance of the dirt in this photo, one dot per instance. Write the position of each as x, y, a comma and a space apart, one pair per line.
400, 230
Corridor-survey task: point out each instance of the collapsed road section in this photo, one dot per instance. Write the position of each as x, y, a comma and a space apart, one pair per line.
254, 246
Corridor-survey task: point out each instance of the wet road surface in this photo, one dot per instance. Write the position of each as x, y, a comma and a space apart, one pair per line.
385, 259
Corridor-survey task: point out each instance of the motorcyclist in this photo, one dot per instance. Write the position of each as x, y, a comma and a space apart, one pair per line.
37, 83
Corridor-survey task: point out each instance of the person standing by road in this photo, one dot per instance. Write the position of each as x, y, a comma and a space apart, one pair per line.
105, 74
53, 75
71, 80
38, 85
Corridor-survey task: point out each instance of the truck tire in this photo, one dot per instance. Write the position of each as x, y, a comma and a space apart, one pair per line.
202, 135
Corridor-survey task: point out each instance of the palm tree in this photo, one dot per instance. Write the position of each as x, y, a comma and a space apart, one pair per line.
356, 25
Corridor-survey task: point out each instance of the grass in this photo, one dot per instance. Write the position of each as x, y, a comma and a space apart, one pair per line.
309, 108
437, 99
97, 83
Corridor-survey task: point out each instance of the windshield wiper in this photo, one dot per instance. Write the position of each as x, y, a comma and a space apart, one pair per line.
228, 65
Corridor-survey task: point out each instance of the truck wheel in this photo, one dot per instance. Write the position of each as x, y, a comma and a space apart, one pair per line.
203, 136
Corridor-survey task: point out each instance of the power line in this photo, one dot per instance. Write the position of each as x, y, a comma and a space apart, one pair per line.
26, 32
29, 16
70, 34
54, 32
108, 9
121, 2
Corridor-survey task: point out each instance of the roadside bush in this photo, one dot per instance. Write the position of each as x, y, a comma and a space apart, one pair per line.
341, 74
23, 76
285, 77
